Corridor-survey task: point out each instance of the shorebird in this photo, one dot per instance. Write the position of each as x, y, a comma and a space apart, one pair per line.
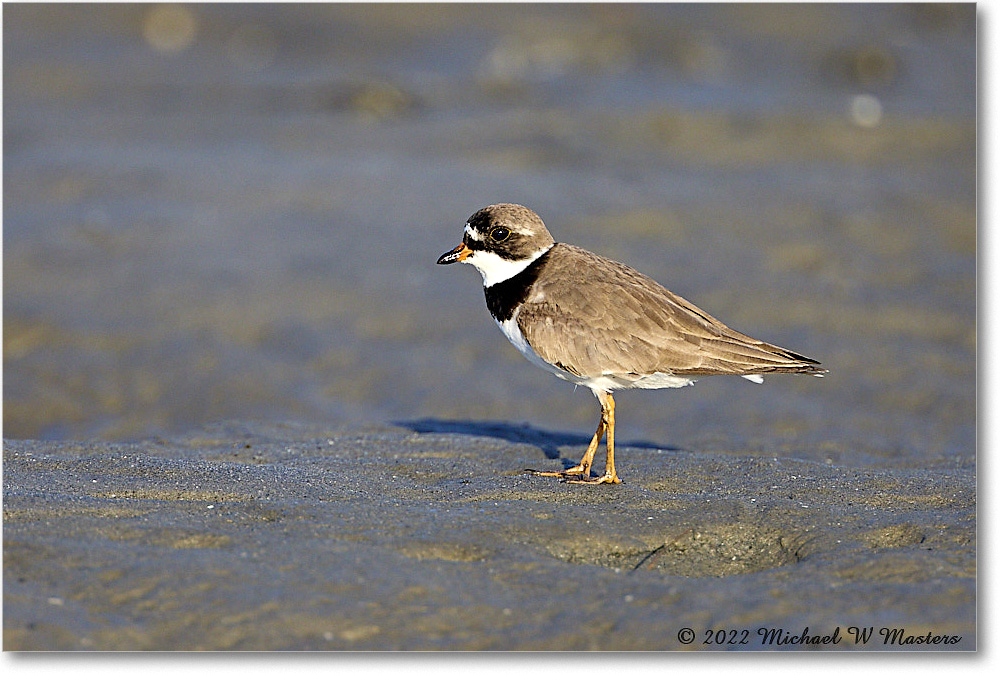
598, 323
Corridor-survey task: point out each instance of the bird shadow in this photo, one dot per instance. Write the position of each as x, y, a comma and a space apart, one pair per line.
548, 442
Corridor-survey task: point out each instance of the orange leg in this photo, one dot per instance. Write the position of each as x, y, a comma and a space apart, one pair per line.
583, 468
608, 419
581, 472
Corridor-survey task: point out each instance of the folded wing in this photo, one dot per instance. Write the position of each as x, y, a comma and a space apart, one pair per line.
601, 317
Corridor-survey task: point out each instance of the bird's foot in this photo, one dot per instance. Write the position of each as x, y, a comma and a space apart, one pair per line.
588, 480
572, 472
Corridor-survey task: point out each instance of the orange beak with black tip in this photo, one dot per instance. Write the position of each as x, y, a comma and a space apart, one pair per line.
457, 254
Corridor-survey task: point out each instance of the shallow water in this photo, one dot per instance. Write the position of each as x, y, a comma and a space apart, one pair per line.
233, 212
241, 219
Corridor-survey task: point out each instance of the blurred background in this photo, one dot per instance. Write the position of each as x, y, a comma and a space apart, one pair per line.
218, 212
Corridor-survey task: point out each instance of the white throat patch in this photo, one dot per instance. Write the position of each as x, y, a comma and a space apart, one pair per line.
496, 269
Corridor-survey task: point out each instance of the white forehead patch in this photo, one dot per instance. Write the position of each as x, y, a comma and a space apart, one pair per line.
472, 234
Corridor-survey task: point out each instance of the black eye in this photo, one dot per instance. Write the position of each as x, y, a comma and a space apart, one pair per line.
499, 234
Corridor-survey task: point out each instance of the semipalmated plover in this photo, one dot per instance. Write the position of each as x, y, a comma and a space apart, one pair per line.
599, 323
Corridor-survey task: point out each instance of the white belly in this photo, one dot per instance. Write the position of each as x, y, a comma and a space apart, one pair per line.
516, 337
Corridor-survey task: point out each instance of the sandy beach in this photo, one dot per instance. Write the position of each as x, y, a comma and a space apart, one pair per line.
248, 537
244, 410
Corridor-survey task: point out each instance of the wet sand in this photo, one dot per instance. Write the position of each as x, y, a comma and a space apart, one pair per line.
289, 537
233, 212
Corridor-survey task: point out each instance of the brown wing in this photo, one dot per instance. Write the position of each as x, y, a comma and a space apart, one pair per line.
592, 316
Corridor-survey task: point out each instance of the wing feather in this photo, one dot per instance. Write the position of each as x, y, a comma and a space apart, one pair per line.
593, 316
